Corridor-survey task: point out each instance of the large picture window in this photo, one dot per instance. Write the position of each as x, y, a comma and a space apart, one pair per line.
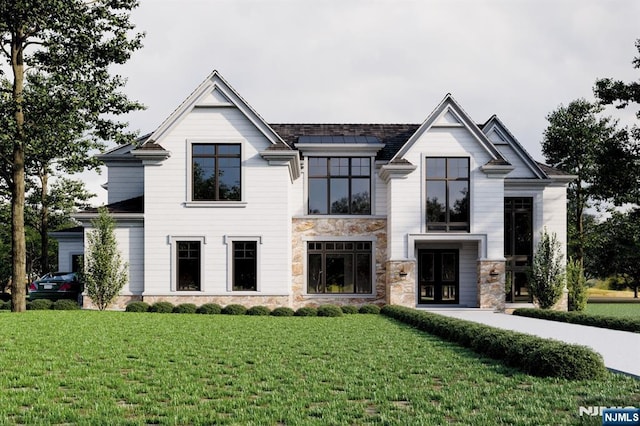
339, 185
188, 265
215, 172
447, 188
339, 267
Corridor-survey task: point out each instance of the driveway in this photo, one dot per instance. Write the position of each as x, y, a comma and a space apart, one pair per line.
620, 349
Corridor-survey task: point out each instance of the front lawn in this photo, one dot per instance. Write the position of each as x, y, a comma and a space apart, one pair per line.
86, 367
623, 310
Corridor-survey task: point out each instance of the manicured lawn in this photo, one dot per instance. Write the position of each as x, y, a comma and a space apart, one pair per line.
614, 309
87, 367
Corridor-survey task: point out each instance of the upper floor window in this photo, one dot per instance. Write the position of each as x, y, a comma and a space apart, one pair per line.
447, 190
339, 185
215, 172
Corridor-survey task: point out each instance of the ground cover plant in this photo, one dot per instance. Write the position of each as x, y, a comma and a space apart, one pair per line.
123, 368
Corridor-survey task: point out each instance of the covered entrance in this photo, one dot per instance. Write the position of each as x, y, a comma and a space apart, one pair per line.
438, 276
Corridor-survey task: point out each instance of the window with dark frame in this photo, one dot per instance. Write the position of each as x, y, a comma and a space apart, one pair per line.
215, 172
339, 267
447, 193
339, 185
188, 265
245, 266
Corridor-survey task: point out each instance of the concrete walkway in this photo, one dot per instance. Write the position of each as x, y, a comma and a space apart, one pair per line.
620, 349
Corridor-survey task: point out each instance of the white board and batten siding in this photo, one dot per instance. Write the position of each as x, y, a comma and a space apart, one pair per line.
125, 181
263, 215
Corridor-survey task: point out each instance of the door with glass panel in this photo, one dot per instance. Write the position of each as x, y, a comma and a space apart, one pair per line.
438, 277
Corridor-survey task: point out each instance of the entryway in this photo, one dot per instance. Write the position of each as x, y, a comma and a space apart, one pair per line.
438, 276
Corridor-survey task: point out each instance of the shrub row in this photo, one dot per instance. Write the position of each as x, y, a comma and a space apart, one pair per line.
45, 304
531, 354
234, 309
602, 321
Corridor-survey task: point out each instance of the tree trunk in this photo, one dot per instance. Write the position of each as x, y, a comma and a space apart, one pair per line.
18, 243
44, 222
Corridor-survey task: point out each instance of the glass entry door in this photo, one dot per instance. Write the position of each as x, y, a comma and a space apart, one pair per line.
438, 280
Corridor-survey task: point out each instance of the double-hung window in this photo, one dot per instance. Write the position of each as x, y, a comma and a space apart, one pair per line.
188, 262
339, 185
447, 194
215, 172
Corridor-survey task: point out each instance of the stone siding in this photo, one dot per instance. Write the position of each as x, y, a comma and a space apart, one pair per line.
349, 228
491, 282
401, 283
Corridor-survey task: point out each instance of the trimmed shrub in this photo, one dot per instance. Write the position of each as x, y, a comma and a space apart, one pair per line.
369, 309
234, 310
349, 309
162, 307
306, 311
531, 354
577, 286
282, 311
185, 308
329, 311
137, 307
547, 274
39, 305
65, 305
602, 321
5, 306
258, 310
209, 309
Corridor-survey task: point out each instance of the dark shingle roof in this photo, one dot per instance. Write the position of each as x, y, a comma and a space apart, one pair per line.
132, 205
393, 136
551, 171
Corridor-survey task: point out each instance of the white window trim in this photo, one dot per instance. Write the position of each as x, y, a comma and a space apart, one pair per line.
350, 155
189, 202
305, 268
172, 241
228, 241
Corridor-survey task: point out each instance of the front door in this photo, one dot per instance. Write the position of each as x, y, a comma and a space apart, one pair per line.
438, 281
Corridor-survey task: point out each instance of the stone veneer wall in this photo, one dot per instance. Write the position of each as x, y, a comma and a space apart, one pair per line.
491, 281
401, 283
332, 227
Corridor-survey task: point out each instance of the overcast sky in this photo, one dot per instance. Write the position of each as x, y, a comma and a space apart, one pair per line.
387, 61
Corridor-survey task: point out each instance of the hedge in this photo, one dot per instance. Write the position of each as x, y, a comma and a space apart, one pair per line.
531, 354
602, 321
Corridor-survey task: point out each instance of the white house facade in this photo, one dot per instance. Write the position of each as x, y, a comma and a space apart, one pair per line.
219, 206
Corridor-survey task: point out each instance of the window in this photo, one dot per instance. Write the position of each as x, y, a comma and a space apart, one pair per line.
339, 185
215, 172
447, 189
188, 265
339, 267
518, 246
245, 266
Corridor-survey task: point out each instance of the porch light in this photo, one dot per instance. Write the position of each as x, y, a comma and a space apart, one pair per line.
402, 272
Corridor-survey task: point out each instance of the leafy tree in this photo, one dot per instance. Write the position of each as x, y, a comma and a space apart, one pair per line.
580, 142
104, 272
547, 273
577, 286
60, 97
618, 249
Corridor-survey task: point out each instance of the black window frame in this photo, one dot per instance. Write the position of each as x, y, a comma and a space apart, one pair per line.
244, 267
324, 251
449, 180
333, 173
216, 156
185, 250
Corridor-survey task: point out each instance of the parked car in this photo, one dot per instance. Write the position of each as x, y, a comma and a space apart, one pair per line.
56, 286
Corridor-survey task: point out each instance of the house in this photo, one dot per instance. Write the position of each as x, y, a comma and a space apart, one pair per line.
217, 205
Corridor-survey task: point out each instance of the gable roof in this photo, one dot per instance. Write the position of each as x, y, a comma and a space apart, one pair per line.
450, 114
213, 92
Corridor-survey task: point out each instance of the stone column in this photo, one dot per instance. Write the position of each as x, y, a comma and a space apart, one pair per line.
491, 281
401, 283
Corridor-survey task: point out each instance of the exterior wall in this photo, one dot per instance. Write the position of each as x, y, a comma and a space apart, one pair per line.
264, 213
325, 229
491, 282
124, 182
67, 247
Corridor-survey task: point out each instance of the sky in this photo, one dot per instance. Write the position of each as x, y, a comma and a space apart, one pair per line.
382, 61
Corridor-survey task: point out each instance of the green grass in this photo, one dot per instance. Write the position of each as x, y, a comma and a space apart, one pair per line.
85, 367
614, 309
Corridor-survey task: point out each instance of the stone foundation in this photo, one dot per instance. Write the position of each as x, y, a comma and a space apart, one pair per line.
491, 282
270, 302
401, 283
119, 304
